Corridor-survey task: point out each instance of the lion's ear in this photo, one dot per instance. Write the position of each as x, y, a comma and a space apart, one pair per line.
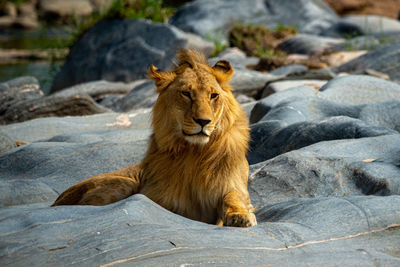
162, 78
223, 71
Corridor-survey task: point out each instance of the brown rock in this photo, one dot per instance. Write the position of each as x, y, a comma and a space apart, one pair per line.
388, 8
65, 8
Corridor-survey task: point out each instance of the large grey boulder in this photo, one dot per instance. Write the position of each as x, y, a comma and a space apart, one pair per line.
46, 128
59, 162
386, 60
214, 19
352, 231
122, 50
365, 166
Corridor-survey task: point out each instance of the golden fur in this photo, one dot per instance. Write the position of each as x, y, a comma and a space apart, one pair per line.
196, 163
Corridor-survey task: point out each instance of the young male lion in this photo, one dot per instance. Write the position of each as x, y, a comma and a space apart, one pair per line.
196, 163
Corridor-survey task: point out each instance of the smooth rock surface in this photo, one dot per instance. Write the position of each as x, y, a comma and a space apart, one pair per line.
365, 166
50, 106
385, 60
360, 89
371, 24
279, 86
214, 19
307, 44
122, 50
64, 160
46, 128
321, 231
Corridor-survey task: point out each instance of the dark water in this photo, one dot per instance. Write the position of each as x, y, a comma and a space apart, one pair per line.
43, 71
37, 39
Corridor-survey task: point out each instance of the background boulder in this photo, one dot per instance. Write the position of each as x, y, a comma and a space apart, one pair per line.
122, 50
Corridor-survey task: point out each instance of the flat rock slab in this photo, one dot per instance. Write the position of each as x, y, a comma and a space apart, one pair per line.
64, 160
385, 60
322, 231
122, 50
46, 128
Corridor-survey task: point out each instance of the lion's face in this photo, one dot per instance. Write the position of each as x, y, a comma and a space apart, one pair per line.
197, 100
191, 100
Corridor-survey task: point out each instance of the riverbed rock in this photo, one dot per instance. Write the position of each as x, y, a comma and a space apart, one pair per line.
372, 24
328, 195
47, 128
385, 60
6, 143
360, 89
214, 19
328, 231
64, 8
364, 166
279, 86
122, 50
49, 106
307, 44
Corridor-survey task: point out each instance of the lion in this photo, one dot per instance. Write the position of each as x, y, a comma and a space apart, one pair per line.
196, 162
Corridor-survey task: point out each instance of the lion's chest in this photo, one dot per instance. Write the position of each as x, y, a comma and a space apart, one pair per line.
190, 192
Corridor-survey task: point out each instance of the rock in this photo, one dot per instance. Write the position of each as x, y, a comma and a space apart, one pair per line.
51, 106
98, 89
214, 19
382, 7
143, 95
343, 29
264, 105
320, 231
371, 24
101, 5
287, 70
16, 90
360, 89
377, 74
65, 8
106, 52
344, 92
62, 161
270, 139
279, 86
46, 128
307, 44
335, 59
385, 60
250, 82
243, 99
368, 42
6, 143
9, 10
365, 166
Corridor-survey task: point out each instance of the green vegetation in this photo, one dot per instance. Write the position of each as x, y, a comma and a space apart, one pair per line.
260, 41
123, 9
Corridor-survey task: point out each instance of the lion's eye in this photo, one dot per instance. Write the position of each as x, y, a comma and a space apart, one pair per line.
214, 96
187, 94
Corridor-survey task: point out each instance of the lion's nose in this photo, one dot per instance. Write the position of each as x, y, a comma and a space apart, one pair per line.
202, 122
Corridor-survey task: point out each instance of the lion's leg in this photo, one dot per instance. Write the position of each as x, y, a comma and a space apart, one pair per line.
235, 211
103, 189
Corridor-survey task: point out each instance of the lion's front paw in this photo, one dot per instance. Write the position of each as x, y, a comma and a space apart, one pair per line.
240, 219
